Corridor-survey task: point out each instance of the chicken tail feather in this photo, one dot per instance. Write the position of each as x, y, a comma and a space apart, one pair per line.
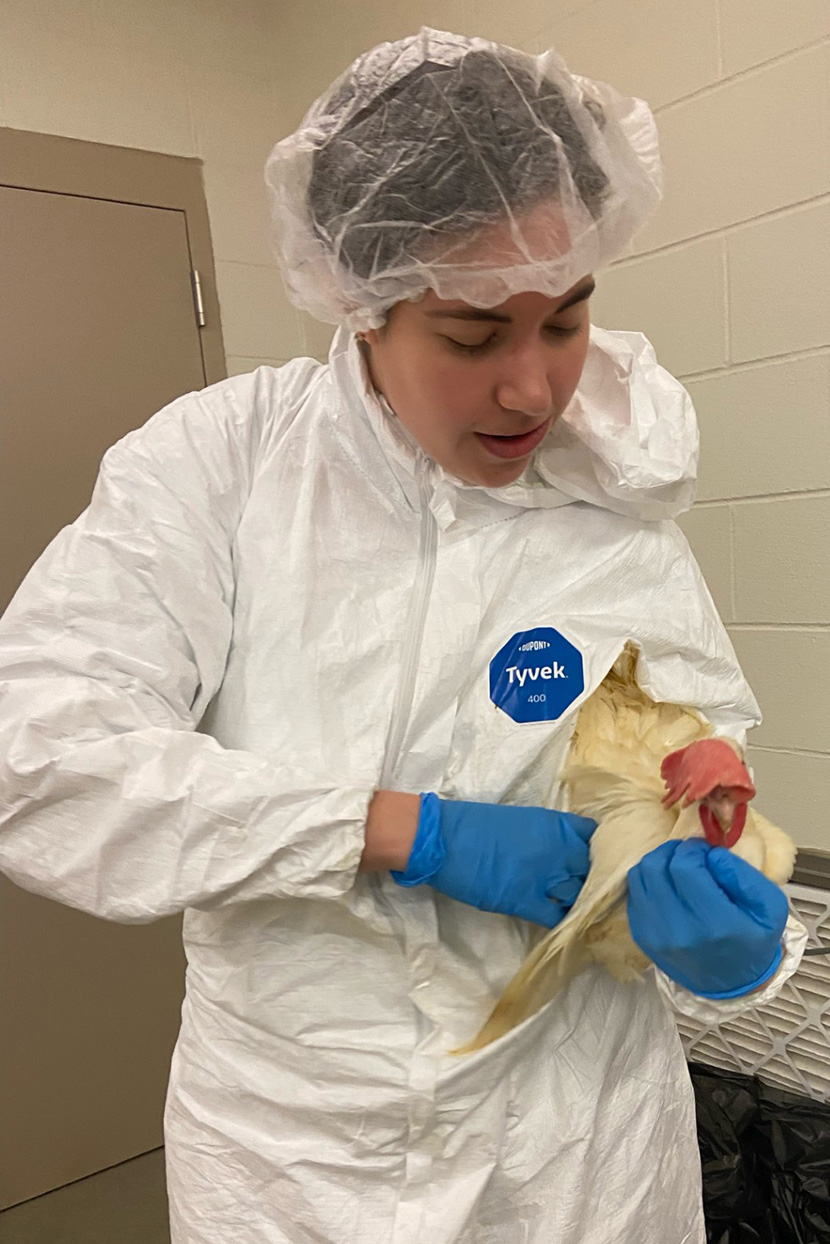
558, 957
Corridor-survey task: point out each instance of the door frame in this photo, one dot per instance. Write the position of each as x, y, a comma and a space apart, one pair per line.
58, 165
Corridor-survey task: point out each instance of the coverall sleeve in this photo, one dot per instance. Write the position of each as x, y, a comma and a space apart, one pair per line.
112, 648
713, 1011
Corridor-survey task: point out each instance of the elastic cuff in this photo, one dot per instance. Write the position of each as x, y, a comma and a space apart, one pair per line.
744, 989
428, 850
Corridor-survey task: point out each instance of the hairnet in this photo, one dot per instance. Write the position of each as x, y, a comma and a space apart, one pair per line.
459, 165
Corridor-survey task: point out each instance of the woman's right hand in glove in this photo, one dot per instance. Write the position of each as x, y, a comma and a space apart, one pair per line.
527, 862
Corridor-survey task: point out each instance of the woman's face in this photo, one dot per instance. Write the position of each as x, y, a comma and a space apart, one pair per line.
478, 389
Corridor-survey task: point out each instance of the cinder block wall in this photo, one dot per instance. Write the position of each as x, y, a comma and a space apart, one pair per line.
731, 281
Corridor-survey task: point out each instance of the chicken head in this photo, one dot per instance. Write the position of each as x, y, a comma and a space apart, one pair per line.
711, 773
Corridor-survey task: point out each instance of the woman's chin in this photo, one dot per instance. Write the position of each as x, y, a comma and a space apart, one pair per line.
480, 474
497, 476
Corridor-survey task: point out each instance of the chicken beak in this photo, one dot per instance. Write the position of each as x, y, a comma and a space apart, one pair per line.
723, 817
723, 805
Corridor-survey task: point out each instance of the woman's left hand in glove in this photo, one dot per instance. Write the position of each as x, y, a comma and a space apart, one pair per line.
710, 921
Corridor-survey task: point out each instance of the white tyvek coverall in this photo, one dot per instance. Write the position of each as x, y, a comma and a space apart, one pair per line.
269, 594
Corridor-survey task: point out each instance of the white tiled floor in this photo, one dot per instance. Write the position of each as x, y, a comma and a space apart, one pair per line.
126, 1204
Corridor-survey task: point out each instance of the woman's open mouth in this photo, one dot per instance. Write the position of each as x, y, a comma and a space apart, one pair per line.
514, 446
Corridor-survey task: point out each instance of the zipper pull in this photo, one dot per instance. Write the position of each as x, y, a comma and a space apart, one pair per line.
423, 475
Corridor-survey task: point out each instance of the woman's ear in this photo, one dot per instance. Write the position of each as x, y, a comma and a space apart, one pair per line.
365, 341
373, 336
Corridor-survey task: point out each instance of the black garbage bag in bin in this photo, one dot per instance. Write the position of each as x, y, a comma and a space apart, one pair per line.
765, 1155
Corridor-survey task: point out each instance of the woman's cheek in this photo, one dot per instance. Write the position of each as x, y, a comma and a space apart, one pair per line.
456, 394
565, 380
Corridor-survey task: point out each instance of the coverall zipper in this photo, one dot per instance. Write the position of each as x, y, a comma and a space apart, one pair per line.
418, 927
415, 620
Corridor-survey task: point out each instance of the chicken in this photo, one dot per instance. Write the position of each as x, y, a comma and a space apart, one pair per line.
646, 772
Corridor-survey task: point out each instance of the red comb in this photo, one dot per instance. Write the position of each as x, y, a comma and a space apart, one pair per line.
694, 772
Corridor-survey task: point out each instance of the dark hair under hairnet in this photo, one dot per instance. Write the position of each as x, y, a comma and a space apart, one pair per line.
427, 144
474, 139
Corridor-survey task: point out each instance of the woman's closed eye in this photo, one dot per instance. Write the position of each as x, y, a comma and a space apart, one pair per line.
479, 347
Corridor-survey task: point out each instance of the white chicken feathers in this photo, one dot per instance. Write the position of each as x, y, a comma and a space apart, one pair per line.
613, 775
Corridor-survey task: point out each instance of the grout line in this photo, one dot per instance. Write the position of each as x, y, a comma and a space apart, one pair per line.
775, 213
804, 495
733, 565
253, 358
789, 751
719, 38
245, 263
727, 323
750, 72
770, 360
818, 628
577, 6
191, 118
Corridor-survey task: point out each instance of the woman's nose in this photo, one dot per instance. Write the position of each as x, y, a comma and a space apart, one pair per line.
524, 387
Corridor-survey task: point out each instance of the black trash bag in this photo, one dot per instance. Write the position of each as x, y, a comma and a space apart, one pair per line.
733, 1201
794, 1148
765, 1155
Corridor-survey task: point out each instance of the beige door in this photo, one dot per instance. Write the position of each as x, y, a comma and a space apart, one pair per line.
97, 331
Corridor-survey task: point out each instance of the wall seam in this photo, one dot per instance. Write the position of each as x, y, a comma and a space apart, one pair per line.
767, 360
191, 118
810, 628
733, 566
582, 6
742, 74
806, 494
727, 323
724, 231
245, 263
718, 39
255, 358
790, 751
195, 136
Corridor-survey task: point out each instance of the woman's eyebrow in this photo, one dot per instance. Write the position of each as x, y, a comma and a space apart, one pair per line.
494, 317
470, 313
579, 295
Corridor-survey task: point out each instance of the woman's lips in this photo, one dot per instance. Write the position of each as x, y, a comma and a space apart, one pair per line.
514, 446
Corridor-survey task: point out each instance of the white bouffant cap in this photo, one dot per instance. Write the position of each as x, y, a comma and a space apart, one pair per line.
458, 165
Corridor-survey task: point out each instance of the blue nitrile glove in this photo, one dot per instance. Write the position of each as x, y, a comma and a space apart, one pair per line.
528, 862
709, 920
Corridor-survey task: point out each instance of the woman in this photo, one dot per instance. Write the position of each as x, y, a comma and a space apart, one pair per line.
304, 598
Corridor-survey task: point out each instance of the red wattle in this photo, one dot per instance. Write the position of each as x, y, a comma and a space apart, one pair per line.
714, 834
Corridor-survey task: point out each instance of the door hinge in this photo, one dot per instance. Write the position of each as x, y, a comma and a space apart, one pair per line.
197, 298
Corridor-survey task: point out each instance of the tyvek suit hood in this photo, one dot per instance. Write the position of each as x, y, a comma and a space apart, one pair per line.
272, 607
628, 441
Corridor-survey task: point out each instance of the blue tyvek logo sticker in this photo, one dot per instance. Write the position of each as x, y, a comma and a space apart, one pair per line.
536, 675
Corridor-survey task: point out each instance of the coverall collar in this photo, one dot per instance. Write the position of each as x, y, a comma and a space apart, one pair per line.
627, 442
452, 501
